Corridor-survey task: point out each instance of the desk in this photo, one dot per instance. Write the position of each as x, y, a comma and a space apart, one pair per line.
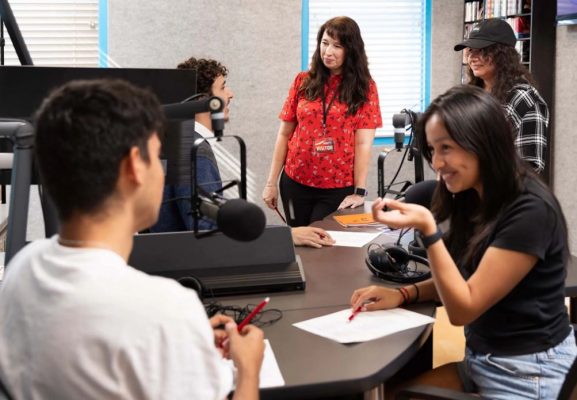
313, 366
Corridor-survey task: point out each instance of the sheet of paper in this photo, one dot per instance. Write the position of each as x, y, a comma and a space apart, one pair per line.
352, 239
270, 375
365, 326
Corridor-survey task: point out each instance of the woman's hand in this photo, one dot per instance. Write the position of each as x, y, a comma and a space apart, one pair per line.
352, 201
311, 236
404, 215
270, 196
373, 298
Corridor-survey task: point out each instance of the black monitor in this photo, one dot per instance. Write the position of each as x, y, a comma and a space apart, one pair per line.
23, 88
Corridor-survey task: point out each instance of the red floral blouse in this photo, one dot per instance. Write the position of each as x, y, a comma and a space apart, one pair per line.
305, 162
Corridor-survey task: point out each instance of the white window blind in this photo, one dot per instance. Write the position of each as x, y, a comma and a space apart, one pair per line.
56, 32
394, 36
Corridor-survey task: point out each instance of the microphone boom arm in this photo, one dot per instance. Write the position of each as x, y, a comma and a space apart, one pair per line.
196, 191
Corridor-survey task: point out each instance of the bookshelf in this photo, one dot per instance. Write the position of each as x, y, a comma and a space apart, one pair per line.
534, 24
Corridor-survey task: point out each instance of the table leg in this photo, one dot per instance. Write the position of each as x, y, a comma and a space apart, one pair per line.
376, 393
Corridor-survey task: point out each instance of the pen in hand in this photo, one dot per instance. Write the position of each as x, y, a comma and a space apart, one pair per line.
254, 312
355, 312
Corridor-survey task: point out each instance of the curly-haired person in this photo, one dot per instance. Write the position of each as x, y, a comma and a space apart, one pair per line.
494, 64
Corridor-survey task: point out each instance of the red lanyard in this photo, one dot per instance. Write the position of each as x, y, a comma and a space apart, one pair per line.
326, 110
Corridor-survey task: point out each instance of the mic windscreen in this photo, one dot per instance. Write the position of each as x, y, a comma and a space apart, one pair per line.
241, 220
421, 193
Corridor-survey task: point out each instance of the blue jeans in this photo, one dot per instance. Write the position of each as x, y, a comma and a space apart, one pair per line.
528, 376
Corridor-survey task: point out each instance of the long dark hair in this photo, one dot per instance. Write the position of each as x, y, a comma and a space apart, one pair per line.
356, 77
508, 67
476, 122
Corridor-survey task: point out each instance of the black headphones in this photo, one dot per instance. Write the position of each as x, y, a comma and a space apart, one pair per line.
392, 262
192, 282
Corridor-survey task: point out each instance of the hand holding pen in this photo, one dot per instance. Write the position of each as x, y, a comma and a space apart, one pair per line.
254, 312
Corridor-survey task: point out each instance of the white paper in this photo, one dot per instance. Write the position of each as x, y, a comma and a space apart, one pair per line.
270, 375
367, 325
352, 239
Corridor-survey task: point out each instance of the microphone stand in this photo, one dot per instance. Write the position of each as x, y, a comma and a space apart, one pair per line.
197, 191
414, 155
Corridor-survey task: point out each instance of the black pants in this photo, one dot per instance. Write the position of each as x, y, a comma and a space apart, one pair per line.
304, 204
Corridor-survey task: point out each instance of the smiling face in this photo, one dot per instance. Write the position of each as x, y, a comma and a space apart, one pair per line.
332, 54
481, 65
458, 168
219, 89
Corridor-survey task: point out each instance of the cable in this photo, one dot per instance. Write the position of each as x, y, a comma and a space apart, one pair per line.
266, 317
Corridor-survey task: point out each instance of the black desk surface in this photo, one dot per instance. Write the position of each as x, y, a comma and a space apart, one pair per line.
313, 366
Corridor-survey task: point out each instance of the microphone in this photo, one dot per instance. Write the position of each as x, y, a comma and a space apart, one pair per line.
186, 110
399, 124
236, 218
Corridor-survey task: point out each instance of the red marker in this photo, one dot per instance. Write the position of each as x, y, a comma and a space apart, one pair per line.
355, 312
254, 312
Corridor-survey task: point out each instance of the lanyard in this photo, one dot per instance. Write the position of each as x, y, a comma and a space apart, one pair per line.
326, 109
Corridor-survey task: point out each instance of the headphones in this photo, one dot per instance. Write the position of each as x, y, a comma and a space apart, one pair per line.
392, 262
192, 282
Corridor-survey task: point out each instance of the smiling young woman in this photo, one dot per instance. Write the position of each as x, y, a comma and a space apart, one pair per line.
500, 268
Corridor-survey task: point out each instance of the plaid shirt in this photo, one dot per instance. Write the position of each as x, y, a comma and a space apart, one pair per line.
529, 116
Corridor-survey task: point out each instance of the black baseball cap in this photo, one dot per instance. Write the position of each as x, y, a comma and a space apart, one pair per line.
488, 32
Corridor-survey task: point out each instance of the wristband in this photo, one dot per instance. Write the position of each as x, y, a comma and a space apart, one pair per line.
428, 241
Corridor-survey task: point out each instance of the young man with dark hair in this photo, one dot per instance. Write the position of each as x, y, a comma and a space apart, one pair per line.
175, 214
78, 320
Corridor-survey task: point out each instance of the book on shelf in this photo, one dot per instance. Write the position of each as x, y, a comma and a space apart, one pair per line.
351, 220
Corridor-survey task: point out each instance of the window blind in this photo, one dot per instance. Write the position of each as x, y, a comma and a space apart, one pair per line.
394, 35
56, 32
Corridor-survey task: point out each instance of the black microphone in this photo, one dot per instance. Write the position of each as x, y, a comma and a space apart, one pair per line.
186, 110
236, 218
399, 124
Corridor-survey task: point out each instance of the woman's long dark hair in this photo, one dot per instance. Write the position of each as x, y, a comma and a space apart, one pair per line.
356, 77
508, 67
476, 122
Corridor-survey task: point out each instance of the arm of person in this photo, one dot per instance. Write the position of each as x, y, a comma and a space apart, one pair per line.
529, 116
464, 300
311, 236
247, 352
363, 143
374, 297
532, 138
270, 192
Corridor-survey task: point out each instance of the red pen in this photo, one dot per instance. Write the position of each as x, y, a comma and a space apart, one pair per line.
355, 312
254, 312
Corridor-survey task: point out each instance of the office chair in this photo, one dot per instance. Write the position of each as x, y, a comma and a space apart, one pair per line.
568, 390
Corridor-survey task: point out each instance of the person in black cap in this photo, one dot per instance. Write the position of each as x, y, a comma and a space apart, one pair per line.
494, 64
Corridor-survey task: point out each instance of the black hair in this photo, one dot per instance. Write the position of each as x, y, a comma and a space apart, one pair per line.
356, 78
83, 131
476, 121
207, 71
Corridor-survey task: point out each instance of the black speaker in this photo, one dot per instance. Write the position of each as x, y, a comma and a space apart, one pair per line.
394, 263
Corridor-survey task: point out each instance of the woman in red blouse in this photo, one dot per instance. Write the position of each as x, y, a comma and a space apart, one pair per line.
328, 123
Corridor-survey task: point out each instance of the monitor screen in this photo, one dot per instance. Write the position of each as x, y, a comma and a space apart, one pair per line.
23, 88
566, 12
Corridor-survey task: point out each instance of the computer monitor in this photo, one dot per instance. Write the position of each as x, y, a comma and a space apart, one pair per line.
24, 87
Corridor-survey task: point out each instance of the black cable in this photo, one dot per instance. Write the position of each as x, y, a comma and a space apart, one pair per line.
266, 317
